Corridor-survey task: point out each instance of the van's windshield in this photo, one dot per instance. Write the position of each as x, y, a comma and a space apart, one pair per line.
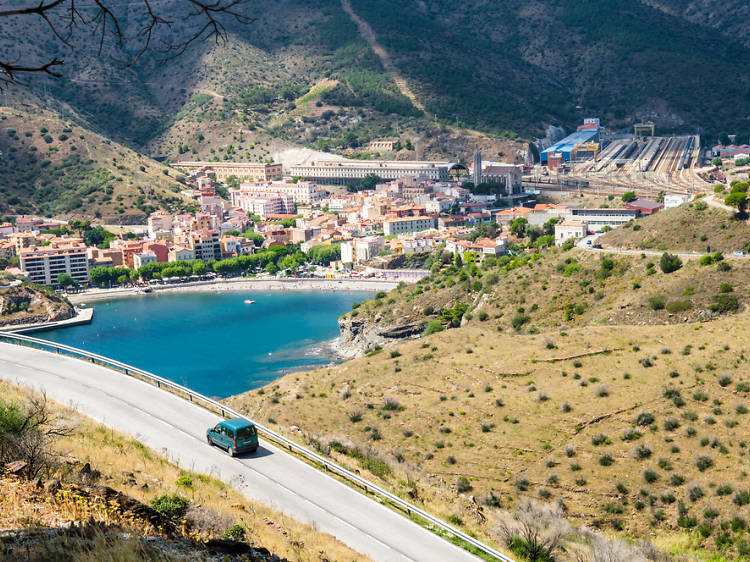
246, 432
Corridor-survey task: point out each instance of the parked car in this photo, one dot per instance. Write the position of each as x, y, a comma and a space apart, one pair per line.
236, 435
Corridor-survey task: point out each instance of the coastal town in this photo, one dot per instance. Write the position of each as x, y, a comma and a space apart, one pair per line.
323, 218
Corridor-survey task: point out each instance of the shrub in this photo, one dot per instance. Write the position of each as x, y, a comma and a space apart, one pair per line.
630, 434
670, 424
606, 460
741, 498
676, 479
433, 327
694, 491
678, 306
455, 520
522, 484
390, 403
570, 451
724, 490
670, 262
657, 302
641, 452
355, 415
184, 481
600, 439
565, 407
703, 463
725, 288
725, 380
650, 476
235, 533
724, 303
644, 418
602, 390
519, 320
171, 505
613, 508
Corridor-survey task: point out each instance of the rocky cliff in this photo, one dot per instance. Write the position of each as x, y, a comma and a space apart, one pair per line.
358, 335
26, 304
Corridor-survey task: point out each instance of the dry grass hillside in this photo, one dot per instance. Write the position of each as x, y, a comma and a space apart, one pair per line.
97, 497
561, 289
56, 167
598, 382
639, 431
691, 227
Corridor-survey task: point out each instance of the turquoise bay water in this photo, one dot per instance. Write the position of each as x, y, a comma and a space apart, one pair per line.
214, 343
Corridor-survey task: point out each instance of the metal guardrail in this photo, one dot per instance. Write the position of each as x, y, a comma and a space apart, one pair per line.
224, 411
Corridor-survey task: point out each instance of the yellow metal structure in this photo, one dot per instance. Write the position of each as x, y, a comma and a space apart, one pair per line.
644, 129
586, 148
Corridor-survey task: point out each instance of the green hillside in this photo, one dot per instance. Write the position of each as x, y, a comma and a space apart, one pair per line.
57, 167
499, 67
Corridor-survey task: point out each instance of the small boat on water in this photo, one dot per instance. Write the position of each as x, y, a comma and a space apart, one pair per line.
249, 301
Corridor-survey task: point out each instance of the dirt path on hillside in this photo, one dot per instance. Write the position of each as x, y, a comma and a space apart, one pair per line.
369, 35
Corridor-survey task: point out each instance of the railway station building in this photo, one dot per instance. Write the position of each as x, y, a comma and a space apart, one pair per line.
570, 145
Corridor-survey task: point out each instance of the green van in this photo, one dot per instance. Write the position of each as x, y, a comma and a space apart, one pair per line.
236, 436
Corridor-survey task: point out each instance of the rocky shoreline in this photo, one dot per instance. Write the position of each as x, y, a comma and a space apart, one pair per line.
25, 304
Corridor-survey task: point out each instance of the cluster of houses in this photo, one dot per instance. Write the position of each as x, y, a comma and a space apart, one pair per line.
411, 214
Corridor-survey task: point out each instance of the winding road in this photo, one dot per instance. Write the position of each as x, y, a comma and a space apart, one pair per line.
176, 429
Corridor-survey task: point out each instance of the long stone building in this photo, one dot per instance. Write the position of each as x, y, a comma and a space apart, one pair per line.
254, 171
337, 172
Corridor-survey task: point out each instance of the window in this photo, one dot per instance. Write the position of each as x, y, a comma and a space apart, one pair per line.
230, 433
246, 432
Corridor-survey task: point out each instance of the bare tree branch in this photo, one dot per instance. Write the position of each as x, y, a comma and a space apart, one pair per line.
63, 17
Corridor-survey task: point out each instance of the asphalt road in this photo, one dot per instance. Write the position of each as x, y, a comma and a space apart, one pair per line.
177, 428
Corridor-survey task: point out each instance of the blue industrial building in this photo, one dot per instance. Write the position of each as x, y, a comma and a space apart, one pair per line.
565, 146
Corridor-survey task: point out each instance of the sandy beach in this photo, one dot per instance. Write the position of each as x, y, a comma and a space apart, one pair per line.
239, 284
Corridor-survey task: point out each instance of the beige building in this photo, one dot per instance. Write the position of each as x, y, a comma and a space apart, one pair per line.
360, 250
254, 171
180, 253
386, 145
44, 264
566, 230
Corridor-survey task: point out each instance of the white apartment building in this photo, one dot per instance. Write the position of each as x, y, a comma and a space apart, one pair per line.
401, 225
264, 203
159, 223
361, 250
44, 264
303, 192
143, 258
339, 172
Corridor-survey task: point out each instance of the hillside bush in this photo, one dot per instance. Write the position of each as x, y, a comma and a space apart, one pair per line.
171, 505
657, 302
670, 262
678, 306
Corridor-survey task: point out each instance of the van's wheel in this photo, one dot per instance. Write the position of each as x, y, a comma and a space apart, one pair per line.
208, 440
231, 451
